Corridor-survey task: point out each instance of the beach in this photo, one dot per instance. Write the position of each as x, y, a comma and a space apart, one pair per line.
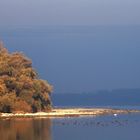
71, 112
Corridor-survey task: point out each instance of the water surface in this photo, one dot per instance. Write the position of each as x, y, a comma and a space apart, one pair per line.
122, 127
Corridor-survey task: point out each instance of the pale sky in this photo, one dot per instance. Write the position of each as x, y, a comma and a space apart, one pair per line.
21, 13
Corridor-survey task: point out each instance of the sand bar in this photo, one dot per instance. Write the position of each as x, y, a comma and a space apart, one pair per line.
71, 112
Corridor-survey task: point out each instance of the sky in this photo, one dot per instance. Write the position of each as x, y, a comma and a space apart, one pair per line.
81, 59
77, 45
21, 13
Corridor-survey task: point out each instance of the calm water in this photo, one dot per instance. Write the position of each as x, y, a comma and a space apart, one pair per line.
123, 127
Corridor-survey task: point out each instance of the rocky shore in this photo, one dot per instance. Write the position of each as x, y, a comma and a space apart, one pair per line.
70, 112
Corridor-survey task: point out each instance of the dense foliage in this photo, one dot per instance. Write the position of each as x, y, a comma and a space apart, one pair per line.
20, 88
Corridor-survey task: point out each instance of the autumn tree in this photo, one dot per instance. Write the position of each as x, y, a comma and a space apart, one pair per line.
21, 90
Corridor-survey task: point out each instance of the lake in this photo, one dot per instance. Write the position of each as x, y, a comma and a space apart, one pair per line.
81, 60
122, 127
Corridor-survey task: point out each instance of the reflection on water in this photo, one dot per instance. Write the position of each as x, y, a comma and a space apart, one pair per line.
122, 127
95, 122
25, 129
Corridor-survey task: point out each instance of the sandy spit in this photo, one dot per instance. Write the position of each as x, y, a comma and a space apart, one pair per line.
70, 112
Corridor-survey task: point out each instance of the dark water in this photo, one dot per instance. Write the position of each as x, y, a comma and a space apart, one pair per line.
105, 98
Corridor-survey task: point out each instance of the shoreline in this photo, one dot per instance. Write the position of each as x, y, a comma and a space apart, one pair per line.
70, 112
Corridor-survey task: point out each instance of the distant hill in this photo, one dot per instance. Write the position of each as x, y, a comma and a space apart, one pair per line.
21, 90
118, 97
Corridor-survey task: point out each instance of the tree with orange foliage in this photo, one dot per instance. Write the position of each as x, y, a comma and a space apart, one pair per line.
20, 88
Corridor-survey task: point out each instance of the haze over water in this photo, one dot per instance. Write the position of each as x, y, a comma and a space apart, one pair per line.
78, 59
